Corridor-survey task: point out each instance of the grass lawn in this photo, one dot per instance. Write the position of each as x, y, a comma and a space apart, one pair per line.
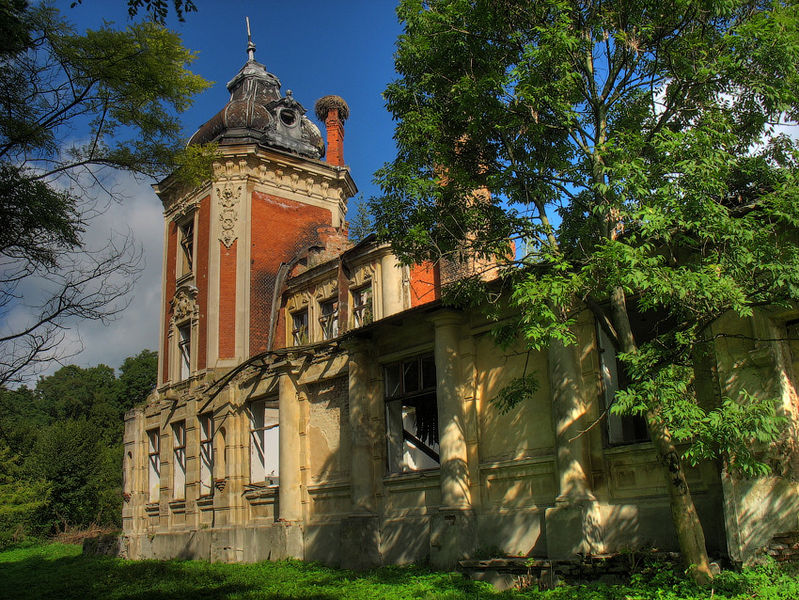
60, 571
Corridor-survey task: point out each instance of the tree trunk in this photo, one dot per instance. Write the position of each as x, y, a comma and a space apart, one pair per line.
690, 535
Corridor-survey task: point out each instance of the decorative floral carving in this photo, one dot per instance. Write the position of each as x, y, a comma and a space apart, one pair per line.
183, 304
228, 212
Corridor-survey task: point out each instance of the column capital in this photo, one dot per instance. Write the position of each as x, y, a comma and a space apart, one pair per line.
356, 345
446, 318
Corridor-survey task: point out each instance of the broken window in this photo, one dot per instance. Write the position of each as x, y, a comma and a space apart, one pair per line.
328, 319
184, 350
362, 306
206, 454
621, 429
179, 460
264, 442
412, 414
154, 464
299, 327
186, 235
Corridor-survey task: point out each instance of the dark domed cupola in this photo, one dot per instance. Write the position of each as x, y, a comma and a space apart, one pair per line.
258, 113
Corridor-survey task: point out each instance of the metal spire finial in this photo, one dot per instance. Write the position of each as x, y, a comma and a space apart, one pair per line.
250, 45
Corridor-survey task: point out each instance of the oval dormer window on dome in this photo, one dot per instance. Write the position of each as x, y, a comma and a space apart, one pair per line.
288, 117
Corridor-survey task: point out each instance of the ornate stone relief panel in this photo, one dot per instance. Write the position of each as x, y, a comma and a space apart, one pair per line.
328, 289
184, 303
228, 197
362, 274
298, 300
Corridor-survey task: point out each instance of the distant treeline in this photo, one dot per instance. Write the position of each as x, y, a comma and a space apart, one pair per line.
61, 447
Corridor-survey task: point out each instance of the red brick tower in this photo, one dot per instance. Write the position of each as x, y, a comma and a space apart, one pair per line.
271, 196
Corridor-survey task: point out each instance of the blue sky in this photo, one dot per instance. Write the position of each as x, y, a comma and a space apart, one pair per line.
315, 48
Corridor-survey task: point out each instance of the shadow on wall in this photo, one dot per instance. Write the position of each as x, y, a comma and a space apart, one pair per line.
765, 507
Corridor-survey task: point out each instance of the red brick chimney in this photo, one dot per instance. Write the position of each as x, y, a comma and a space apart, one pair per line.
333, 111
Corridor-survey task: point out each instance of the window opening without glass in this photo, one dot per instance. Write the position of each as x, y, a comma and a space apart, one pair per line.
187, 247
299, 327
362, 306
184, 347
154, 464
264, 442
328, 319
412, 414
206, 454
621, 429
179, 460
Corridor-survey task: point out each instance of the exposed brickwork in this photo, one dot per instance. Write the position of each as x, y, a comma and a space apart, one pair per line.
280, 229
227, 300
784, 547
425, 283
169, 292
335, 138
201, 279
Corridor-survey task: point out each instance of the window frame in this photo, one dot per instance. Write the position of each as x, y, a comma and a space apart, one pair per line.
184, 350
422, 446
362, 312
619, 430
300, 335
259, 427
187, 243
206, 422
328, 322
153, 465
179, 460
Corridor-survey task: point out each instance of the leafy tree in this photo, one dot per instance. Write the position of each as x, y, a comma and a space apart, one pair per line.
632, 148
157, 10
361, 224
138, 377
74, 393
69, 456
75, 108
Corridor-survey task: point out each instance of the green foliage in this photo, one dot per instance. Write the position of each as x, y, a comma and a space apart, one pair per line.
361, 224
22, 507
195, 163
67, 455
61, 571
138, 377
632, 155
157, 10
61, 447
517, 391
74, 108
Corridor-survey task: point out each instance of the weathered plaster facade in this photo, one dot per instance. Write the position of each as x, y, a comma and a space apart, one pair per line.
315, 400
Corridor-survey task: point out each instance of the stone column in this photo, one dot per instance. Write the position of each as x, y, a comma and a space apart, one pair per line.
391, 283
453, 528
360, 532
455, 492
290, 506
572, 525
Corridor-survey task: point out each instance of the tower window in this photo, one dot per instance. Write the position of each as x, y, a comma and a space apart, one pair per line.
186, 235
184, 347
288, 117
328, 319
362, 306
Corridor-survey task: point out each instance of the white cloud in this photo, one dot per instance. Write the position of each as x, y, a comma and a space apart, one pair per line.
88, 343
